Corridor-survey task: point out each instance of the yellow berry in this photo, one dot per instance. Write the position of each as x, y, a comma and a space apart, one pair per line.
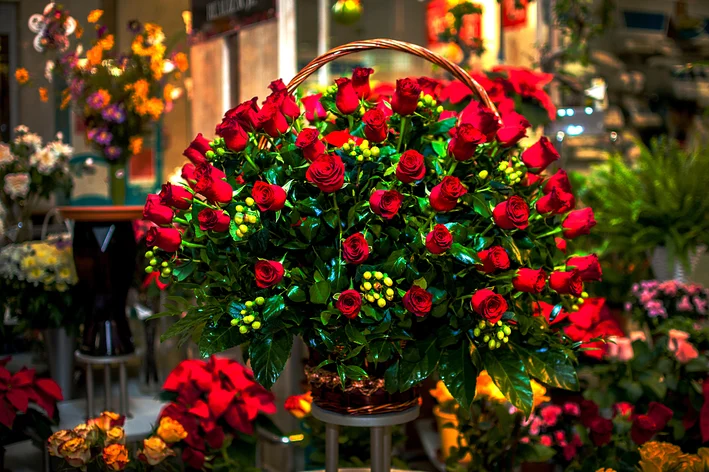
248, 319
346, 147
584, 294
389, 292
251, 219
388, 282
249, 304
239, 233
249, 201
364, 145
243, 312
238, 218
419, 105
439, 109
377, 296
367, 275
367, 286
164, 264
234, 322
360, 158
239, 208
366, 153
575, 308
361, 110
370, 298
243, 329
256, 325
260, 300
378, 275
375, 151
382, 303
244, 229
509, 170
153, 261
149, 254
483, 174
503, 165
149, 270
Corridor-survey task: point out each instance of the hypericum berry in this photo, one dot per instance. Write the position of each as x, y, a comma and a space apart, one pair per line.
243, 312
153, 261
220, 151
239, 233
370, 298
164, 264
505, 340
234, 322
149, 270
166, 271
244, 229
249, 201
364, 144
491, 344
389, 292
149, 254
346, 147
486, 338
476, 332
439, 109
367, 275
507, 330
500, 335
483, 174
260, 300
248, 319
367, 286
249, 304
243, 329
251, 218
239, 208
381, 303
378, 275
256, 325
209, 154
375, 151
584, 294
238, 218
388, 282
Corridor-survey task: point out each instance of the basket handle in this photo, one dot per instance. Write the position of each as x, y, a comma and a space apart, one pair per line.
395, 45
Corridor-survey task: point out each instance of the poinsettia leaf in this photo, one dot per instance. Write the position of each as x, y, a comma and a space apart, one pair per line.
553, 368
459, 374
269, 356
507, 372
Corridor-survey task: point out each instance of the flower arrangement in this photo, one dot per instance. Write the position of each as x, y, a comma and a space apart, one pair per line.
36, 281
397, 244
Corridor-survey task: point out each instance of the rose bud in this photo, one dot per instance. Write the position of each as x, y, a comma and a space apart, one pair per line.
346, 100
623, 409
444, 196
176, 196
197, 149
327, 172
115, 435
411, 167
514, 128
488, 304
512, 213
493, 259
406, 96
355, 249
314, 111
556, 202
349, 303
235, 136
588, 267
188, 171
439, 240
171, 431
76, 452
268, 197
277, 86
578, 222
210, 184
530, 280
247, 113
376, 127
156, 212
360, 81
214, 220
272, 120
601, 431
167, 239
465, 140
309, 142
154, 451
57, 439
566, 283
539, 155
559, 181
385, 203
290, 108
115, 456
482, 118
560, 244
531, 179
418, 301
268, 273
194, 458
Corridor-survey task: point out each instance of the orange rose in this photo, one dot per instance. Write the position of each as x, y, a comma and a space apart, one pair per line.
107, 420
171, 431
75, 452
89, 432
115, 435
57, 439
115, 456
154, 451
299, 405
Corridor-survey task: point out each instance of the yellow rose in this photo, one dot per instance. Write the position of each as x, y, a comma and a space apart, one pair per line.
115, 435
87, 432
441, 393
115, 456
107, 420
155, 451
57, 439
76, 452
170, 430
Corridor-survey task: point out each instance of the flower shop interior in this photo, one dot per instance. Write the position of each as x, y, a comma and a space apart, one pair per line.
322, 235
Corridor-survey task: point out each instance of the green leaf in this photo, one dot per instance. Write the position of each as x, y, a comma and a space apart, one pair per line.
391, 378
216, 338
309, 228
442, 127
464, 254
439, 147
412, 373
183, 271
551, 367
337, 275
481, 206
459, 374
320, 292
269, 356
274, 306
355, 372
354, 335
297, 294
507, 372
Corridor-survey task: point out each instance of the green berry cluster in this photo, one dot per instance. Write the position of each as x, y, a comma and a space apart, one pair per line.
428, 103
513, 172
377, 288
361, 152
218, 148
248, 319
579, 301
155, 265
494, 335
246, 218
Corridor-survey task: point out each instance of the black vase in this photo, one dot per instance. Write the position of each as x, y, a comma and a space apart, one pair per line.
104, 253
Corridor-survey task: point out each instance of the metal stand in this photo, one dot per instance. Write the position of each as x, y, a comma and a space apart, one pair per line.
380, 434
106, 362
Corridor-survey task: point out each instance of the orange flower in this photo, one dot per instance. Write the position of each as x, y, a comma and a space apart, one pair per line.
94, 16
115, 456
106, 42
299, 405
76, 452
22, 76
95, 55
441, 393
57, 439
154, 451
107, 420
170, 430
140, 89
167, 92
79, 32
115, 435
136, 145
153, 107
43, 95
89, 432
180, 61
66, 98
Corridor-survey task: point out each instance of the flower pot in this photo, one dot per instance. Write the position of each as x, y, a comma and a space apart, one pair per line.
60, 347
449, 434
664, 269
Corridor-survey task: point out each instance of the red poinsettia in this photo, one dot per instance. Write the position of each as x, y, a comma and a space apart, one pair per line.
20, 389
593, 320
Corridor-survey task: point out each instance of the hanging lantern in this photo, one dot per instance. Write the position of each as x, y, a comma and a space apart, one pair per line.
347, 12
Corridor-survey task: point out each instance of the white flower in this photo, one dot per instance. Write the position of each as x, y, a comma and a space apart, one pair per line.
21, 129
44, 160
17, 185
6, 156
31, 140
48, 68
60, 149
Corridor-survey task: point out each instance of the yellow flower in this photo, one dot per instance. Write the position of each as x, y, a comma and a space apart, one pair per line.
22, 76
486, 388
28, 262
170, 430
35, 274
107, 420
156, 67
115, 435
605, 470
76, 452
153, 107
43, 95
539, 393
136, 145
57, 439
154, 33
180, 61
299, 406
106, 42
155, 451
115, 456
140, 89
441, 393
95, 55
94, 16
61, 287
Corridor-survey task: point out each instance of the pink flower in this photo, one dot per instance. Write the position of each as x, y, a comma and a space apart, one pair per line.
546, 440
684, 304
535, 426
679, 344
701, 305
620, 348
572, 409
560, 437
550, 414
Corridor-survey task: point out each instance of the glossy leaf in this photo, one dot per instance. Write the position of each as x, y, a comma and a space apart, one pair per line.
216, 338
273, 307
464, 254
412, 373
269, 356
509, 375
320, 292
459, 374
297, 294
551, 367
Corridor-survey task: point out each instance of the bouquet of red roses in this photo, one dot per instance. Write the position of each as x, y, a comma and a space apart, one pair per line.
396, 243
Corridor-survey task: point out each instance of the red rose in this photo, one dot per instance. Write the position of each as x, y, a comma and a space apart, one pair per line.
360, 81
444, 196
308, 141
660, 414
215, 220
193, 458
272, 120
268, 273
167, 239
376, 127
188, 171
556, 202
268, 197
156, 212
247, 113
386, 203
531, 179
601, 431
406, 96
512, 213
589, 412
411, 167
385, 108
494, 258
514, 128
314, 111
643, 429
489, 305
428, 85
623, 409
290, 108
349, 303
338, 138
355, 249
285, 102
560, 244
566, 282
439, 240
418, 301
327, 172
560, 181
235, 136
175, 196
210, 184
578, 222
197, 149
539, 155
588, 266
530, 280
481, 118
465, 140
346, 99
